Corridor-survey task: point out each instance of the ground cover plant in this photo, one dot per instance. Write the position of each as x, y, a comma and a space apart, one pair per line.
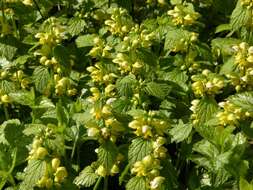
126, 94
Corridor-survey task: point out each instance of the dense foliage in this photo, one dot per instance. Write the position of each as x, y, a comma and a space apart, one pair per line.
126, 94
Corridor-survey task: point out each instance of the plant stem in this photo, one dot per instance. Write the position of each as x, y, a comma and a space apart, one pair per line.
2, 18
75, 144
97, 183
38, 8
123, 174
6, 113
105, 183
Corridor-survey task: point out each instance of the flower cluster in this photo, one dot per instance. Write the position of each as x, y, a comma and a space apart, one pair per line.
183, 15
54, 35
59, 173
207, 83
147, 125
247, 3
100, 48
194, 109
149, 167
38, 151
120, 23
243, 79
64, 86
54, 174
231, 114
185, 42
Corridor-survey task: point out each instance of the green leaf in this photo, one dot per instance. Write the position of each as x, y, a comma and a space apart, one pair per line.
177, 76
246, 34
175, 2
5, 158
12, 131
228, 66
243, 100
7, 51
173, 40
7, 86
62, 114
107, 154
158, 90
137, 183
76, 26
240, 16
138, 149
148, 57
62, 55
33, 173
41, 78
205, 110
125, 4
125, 85
23, 97
222, 28
224, 46
85, 40
86, 178
245, 185
180, 132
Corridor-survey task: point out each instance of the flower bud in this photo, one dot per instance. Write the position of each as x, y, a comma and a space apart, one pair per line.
55, 163
101, 171
41, 152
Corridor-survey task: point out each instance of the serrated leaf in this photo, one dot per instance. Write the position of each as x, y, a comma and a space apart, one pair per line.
33, 173
12, 130
137, 183
205, 110
148, 57
243, 100
62, 55
173, 40
240, 16
107, 154
7, 86
85, 40
125, 86
138, 149
224, 45
41, 78
34, 129
23, 97
228, 66
246, 34
177, 76
56, 144
158, 90
86, 178
7, 51
180, 132
76, 26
